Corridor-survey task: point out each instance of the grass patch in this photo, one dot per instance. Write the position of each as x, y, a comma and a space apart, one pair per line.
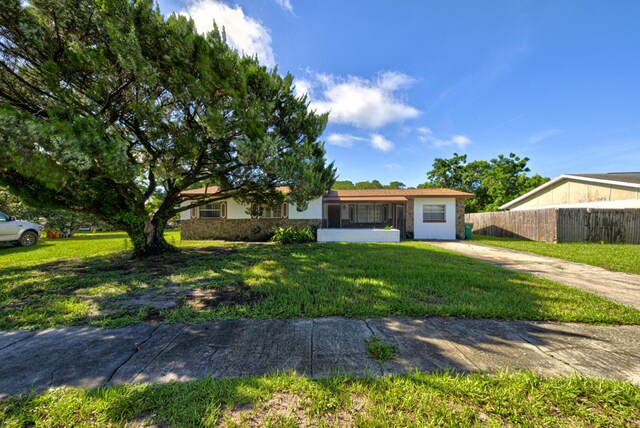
381, 351
417, 399
615, 257
92, 280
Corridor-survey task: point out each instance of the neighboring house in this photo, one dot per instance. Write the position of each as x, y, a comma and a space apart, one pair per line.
612, 190
347, 215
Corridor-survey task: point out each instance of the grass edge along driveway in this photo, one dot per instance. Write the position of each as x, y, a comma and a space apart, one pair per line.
93, 281
614, 257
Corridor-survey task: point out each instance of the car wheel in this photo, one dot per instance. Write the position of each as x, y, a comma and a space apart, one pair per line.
28, 239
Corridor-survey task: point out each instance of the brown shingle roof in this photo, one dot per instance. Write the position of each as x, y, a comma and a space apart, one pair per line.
369, 194
407, 193
211, 190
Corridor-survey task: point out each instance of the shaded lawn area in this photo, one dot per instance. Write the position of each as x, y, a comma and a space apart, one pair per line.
615, 257
92, 280
417, 399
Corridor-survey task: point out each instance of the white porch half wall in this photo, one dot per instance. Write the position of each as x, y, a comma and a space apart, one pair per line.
434, 230
358, 235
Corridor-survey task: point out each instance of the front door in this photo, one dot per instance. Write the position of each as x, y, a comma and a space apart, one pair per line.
400, 220
334, 216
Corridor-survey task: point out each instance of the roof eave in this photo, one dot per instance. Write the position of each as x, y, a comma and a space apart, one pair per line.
568, 177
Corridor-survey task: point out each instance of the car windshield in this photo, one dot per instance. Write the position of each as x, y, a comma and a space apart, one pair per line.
3, 216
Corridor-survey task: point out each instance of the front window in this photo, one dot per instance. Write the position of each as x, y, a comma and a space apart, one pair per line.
434, 213
211, 210
270, 212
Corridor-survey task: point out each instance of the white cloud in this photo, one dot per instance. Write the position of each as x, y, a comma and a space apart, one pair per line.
361, 102
285, 4
393, 166
244, 33
376, 141
301, 87
343, 140
426, 136
544, 135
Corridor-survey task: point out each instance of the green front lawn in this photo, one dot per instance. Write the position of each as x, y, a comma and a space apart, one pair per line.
615, 257
418, 400
92, 280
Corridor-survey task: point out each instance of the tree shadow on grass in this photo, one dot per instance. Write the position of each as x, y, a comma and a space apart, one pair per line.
296, 281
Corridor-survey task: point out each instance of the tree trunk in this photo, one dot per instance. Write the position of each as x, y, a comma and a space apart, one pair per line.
149, 241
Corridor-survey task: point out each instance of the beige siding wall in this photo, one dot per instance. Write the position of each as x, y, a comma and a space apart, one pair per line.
576, 192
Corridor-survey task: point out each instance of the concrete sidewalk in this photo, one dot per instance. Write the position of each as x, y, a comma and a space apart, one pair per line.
617, 286
90, 357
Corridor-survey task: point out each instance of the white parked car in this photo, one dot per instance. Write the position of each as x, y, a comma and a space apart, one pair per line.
22, 233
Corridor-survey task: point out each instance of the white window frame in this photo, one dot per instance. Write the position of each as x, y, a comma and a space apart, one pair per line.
215, 209
271, 212
431, 213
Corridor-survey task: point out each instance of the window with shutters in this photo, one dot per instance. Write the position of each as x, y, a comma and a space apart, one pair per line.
434, 213
214, 210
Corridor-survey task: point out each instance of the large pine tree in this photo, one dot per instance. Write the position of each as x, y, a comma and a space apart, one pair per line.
102, 102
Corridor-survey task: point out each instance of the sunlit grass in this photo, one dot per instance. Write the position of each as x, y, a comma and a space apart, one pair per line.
417, 399
93, 280
615, 257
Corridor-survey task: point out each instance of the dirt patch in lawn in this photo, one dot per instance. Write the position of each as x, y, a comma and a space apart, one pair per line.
199, 299
290, 409
237, 294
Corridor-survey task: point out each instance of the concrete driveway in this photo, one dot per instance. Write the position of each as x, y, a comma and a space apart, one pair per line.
617, 286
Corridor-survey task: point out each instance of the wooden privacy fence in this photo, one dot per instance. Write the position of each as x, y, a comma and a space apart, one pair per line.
561, 225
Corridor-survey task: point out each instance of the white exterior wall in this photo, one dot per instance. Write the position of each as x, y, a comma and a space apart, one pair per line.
236, 210
445, 231
313, 211
185, 215
358, 235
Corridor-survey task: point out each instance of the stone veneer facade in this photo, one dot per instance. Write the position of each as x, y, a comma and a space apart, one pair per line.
460, 218
239, 229
408, 218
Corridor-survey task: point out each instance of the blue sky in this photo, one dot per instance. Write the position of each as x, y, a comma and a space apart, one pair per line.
408, 81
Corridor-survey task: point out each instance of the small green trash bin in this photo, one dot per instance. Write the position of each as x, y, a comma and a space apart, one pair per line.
468, 227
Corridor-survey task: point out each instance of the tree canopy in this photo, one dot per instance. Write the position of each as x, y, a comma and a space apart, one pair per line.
103, 102
374, 184
494, 182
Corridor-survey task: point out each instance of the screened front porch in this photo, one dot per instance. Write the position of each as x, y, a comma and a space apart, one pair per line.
368, 214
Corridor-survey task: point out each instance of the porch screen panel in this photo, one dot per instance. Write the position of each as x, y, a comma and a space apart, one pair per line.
369, 213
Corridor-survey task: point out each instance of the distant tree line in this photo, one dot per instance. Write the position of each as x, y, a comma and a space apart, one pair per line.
494, 182
374, 184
